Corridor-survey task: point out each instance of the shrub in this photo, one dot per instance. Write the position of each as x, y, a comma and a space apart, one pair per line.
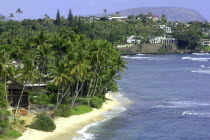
43, 122
2, 96
41, 99
63, 110
4, 121
96, 102
13, 134
81, 110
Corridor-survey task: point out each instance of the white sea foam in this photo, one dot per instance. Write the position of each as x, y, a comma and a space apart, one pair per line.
182, 104
199, 114
143, 58
110, 114
195, 59
203, 66
201, 53
85, 135
141, 54
201, 71
166, 106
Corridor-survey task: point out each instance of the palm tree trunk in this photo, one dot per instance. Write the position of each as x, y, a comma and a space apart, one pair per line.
5, 84
58, 95
78, 91
19, 100
90, 85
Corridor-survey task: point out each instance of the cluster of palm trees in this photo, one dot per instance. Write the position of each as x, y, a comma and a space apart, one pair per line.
11, 15
77, 66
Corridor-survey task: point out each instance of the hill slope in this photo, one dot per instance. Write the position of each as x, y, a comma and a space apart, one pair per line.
172, 13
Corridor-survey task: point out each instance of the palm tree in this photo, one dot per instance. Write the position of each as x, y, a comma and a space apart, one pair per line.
46, 16
60, 74
2, 18
11, 16
117, 13
105, 11
19, 11
80, 68
6, 68
27, 75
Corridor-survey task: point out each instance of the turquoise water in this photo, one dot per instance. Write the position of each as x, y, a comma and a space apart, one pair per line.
171, 100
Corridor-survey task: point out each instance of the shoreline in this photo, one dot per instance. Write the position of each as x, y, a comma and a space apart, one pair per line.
66, 128
181, 53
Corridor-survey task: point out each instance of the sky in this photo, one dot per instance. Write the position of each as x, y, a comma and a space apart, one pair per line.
34, 9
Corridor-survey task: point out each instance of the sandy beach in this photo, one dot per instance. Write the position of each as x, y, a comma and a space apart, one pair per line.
68, 127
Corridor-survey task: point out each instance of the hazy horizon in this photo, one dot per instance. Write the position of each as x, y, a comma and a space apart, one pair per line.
37, 9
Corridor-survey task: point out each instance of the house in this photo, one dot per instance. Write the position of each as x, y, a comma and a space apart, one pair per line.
92, 18
165, 28
134, 40
156, 40
205, 42
162, 40
116, 18
168, 30
155, 17
15, 89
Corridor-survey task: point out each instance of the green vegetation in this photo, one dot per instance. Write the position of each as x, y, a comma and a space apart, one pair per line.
96, 102
12, 134
6, 130
43, 122
63, 110
75, 58
62, 54
81, 110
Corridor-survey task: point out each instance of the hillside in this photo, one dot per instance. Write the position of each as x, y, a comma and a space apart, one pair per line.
172, 13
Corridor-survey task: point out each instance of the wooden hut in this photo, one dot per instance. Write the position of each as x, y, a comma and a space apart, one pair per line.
15, 89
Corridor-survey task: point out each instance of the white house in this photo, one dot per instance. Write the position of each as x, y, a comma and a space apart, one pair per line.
162, 40
165, 28
168, 30
116, 17
155, 40
133, 40
205, 42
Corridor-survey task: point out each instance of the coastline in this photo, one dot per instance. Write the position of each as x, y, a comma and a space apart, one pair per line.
66, 128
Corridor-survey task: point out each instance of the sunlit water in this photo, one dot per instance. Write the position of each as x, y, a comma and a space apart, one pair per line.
171, 100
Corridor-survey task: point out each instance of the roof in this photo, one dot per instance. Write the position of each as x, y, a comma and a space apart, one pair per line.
35, 85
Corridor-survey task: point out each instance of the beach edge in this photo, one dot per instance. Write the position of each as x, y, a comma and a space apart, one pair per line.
68, 127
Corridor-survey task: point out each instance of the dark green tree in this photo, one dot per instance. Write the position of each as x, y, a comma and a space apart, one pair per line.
58, 18
70, 18
163, 19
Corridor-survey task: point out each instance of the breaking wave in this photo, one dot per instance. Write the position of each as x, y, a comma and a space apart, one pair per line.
141, 54
182, 104
195, 59
143, 58
199, 114
201, 71
109, 115
201, 53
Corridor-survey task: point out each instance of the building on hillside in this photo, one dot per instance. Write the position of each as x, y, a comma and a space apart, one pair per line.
162, 40
156, 40
168, 30
92, 18
165, 28
205, 42
134, 40
155, 18
116, 18
15, 89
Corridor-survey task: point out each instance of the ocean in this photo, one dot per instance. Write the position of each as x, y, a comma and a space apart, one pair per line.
170, 100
